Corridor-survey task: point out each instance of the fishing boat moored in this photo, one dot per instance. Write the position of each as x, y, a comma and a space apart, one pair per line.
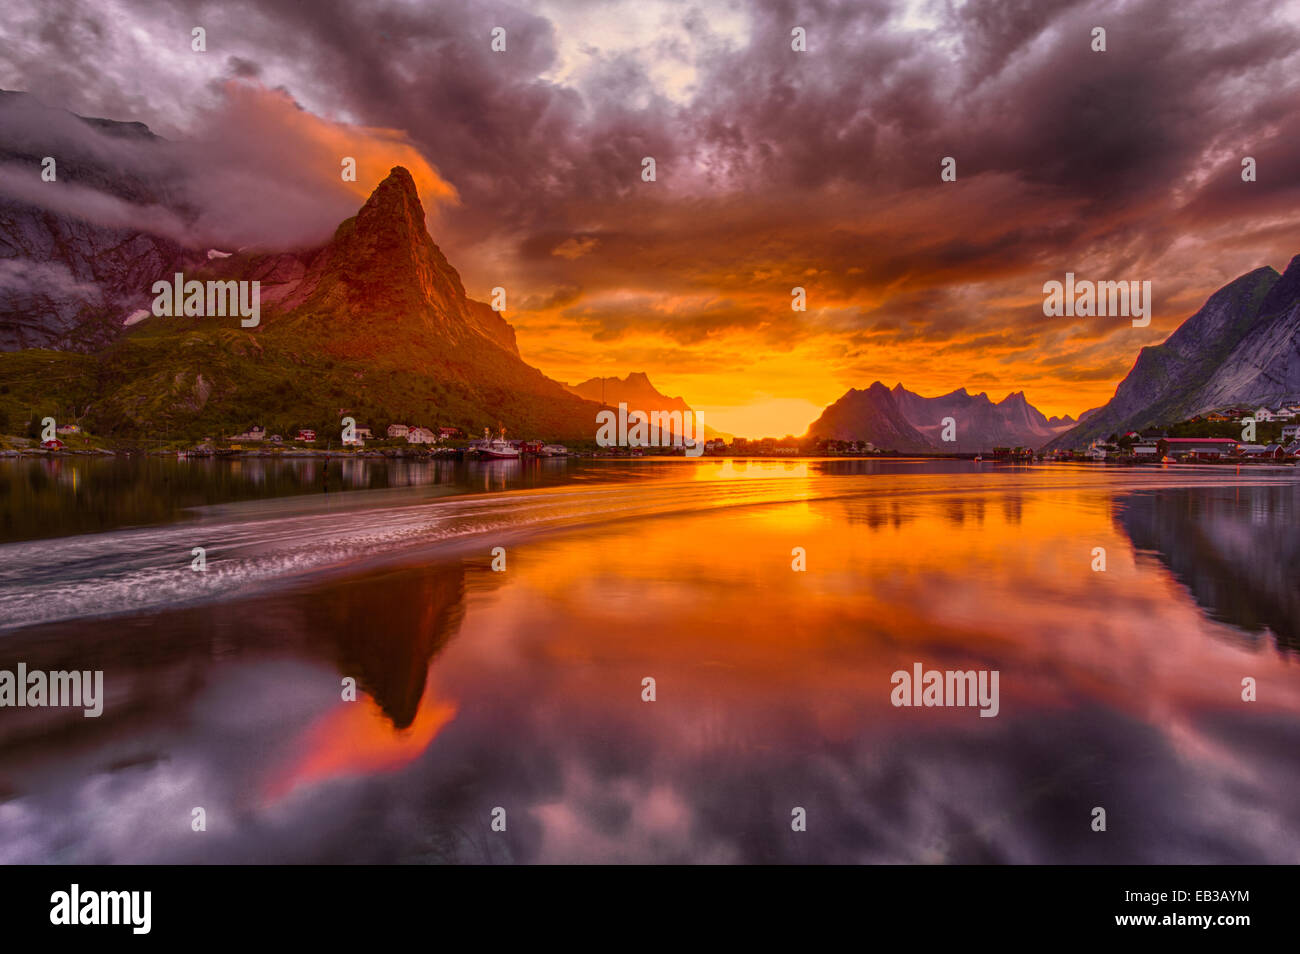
497, 448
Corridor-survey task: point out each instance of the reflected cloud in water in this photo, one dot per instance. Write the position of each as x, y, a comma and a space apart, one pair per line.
522, 689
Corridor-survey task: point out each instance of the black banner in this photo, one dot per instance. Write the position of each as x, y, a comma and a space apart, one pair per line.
169, 904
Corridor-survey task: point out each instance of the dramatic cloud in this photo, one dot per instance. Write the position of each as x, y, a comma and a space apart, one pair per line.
265, 172
775, 168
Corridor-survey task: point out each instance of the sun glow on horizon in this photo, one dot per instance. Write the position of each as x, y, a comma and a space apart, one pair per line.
769, 417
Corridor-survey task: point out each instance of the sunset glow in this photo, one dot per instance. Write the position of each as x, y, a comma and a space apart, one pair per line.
772, 173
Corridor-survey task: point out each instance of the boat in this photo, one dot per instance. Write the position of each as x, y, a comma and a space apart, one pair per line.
497, 448
978, 458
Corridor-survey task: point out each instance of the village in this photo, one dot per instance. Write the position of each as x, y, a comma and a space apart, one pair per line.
1233, 434
396, 438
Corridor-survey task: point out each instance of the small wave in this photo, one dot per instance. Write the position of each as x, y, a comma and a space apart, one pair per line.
253, 546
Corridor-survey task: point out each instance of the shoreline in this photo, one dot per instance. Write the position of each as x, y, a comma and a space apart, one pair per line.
460, 454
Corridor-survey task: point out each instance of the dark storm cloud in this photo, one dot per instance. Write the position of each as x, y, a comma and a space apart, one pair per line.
1003, 87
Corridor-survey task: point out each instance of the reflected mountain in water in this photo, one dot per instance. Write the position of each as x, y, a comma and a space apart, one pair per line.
523, 689
383, 628
1235, 548
389, 654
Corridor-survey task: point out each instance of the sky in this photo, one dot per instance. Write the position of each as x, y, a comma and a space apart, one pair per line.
775, 168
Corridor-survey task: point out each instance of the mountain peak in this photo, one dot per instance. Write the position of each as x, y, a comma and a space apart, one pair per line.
399, 179
394, 205
1284, 293
635, 390
382, 276
385, 254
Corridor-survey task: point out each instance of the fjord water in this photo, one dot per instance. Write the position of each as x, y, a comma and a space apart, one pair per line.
522, 688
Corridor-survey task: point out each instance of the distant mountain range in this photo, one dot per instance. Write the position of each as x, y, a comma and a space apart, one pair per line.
635, 390
1242, 347
904, 421
375, 323
638, 394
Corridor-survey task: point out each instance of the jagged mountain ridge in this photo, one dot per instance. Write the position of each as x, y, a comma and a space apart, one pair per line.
902, 420
980, 423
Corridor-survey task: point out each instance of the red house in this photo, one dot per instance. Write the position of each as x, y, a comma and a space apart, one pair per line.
1200, 448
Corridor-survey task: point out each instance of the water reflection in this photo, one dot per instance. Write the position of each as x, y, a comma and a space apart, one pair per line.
44, 497
522, 688
1236, 549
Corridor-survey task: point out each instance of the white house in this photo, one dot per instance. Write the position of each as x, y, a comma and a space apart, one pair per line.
398, 430
1099, 450
421, 435
1290, 432
254, 433
1263, 414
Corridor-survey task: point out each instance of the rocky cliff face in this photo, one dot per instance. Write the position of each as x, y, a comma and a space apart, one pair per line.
1242, 347
1264, 367
68, 278
383, 264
